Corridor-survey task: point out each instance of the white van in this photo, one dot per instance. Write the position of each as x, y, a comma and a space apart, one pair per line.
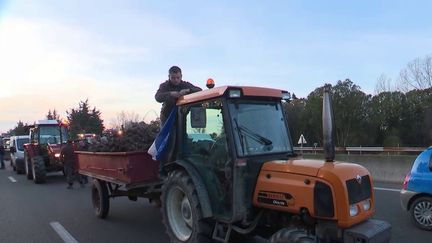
17, 152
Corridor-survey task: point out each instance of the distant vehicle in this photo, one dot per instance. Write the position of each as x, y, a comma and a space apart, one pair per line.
416, 194
6, 145
86, 136
17, 152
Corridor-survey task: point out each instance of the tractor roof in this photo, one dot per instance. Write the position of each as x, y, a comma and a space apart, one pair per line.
46, 122
220, 91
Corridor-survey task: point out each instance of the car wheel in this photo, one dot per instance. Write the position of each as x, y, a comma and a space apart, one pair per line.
421, 213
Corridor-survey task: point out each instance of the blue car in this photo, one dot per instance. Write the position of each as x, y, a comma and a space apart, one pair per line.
416, 194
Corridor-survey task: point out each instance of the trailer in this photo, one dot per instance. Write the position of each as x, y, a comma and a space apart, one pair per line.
117, 174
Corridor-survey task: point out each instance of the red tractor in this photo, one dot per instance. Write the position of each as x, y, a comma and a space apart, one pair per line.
42, 154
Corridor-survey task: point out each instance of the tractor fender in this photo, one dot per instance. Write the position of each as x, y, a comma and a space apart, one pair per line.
200, 188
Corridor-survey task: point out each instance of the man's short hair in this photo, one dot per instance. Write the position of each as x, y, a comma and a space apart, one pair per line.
174, 69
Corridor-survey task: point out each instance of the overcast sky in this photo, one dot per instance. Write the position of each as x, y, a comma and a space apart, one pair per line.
53, 54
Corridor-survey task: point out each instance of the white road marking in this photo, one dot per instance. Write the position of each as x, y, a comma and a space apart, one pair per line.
62, 232
386, 189
12, 179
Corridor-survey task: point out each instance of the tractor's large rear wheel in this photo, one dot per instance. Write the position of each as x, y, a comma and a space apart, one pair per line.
181, 211
292, 235
39, 171
100, 198
28, 167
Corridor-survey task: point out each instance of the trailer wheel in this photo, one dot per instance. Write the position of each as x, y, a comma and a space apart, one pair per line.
181, 210
421, 213
38, 168
292, 235
28, 167
100, 198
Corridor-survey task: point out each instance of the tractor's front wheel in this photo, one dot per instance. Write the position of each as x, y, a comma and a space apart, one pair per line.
292, 235
100, 198
39, 172
181, 210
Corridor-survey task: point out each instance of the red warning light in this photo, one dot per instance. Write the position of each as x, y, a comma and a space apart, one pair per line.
210, 83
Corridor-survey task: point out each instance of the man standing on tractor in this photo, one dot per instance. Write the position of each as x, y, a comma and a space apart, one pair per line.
67, 156
170, 90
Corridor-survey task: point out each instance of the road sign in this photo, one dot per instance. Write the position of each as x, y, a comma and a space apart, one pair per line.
301, 140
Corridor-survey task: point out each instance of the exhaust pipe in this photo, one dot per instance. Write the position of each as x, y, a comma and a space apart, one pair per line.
328, 125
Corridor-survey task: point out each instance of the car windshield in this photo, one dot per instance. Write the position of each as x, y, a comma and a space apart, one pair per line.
21, 142
259, 127
51, 134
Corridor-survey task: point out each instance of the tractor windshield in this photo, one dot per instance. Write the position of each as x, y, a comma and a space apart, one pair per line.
259, 127
52, 134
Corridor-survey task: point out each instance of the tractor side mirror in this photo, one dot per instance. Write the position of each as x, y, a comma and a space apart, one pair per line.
198, 117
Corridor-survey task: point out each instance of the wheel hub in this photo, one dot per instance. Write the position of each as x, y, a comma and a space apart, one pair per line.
423, 213
179, 213
186, 211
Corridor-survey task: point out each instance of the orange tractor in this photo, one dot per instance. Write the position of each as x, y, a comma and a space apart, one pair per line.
230, 172
42, 154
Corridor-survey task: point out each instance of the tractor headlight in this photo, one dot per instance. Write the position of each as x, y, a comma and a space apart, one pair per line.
354, 210
57, 155
234, 93
366, 205
286, 96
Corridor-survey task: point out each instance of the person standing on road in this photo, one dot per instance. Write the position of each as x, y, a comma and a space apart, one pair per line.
170, 90
67, 156
2, 153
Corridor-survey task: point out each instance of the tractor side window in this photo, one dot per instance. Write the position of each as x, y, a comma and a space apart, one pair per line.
35, 136
203, 139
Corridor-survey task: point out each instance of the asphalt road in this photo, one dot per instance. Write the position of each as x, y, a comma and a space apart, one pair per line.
33, 213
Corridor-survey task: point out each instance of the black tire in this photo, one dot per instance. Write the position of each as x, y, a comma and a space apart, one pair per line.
100, 198
292, 235
241, 238
181, 211
420, 211
20, 170
39, 171
28, 167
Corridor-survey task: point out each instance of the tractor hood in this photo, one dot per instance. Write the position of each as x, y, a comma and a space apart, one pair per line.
315, 168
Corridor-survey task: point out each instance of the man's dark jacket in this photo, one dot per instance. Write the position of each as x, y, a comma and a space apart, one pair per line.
67, 155
168, 102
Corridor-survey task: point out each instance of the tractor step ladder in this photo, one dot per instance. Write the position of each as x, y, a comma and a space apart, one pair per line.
221, 232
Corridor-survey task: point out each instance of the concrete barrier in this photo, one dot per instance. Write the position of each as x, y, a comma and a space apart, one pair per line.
392, 168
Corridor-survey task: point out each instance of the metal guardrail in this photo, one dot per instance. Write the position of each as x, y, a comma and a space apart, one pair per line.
360, 150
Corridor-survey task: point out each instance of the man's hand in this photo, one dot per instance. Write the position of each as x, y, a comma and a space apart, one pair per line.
184, 91
175, 94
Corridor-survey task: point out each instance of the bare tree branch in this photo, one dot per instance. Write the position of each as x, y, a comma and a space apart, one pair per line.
383, 84
417, 74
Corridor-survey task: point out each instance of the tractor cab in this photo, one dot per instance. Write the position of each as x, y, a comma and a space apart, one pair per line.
49, 132
227, 137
